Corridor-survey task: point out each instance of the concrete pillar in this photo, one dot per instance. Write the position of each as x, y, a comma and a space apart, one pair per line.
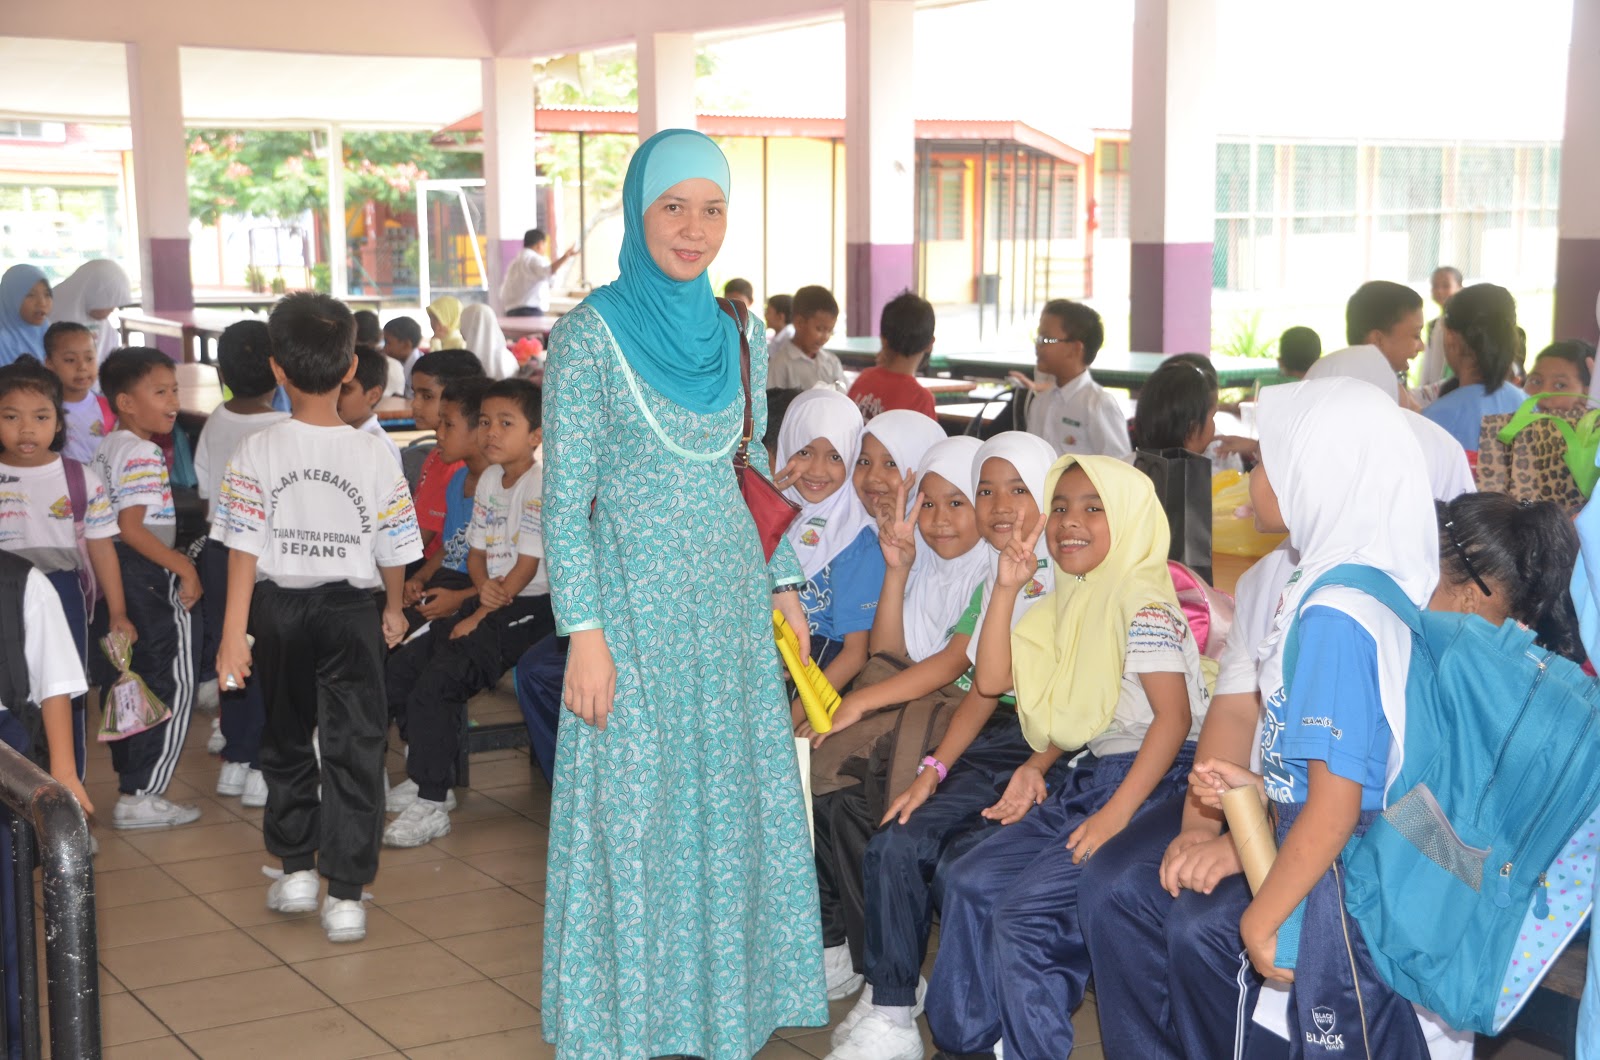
1174, 162
161, 191
338, 237
1578, 249
666, 82
508, 163
880, 135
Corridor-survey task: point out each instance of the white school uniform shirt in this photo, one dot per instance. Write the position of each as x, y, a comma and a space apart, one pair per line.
316, 505
1080, 417
527, 282
223, 432
410, 363
134, 473
47, 644
789, 366
373, 426
36, 515
508, 523
395, 385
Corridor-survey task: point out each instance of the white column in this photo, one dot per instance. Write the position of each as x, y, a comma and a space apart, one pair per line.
1578, 246
512, 196
1174, 163
160, 161
666, 82
338, 239
880, 133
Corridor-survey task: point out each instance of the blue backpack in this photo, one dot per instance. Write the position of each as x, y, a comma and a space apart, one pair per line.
1462, 886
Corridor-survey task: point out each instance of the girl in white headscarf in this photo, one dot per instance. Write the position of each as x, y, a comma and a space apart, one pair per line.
89, 296
892, 447
480, 330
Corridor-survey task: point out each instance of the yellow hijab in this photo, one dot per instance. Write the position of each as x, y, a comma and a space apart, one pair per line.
447, 308
1066, 659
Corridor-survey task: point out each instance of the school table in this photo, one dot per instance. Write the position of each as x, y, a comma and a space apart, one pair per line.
198, 329
256, 302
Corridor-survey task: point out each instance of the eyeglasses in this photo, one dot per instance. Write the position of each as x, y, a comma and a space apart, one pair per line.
1466, 561
1045, 340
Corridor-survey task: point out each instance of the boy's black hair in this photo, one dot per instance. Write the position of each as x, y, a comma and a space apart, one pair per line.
737, 285
778, 400
1378, 305
814, 299
405, 329
1526, 550
906, 325
368, 331
1574, 351
60, 330
1175, 401
372, 368
122, 370
1081, 324
1298, 349
533, 237
1452, 271
26, 373
244, 352
445, 365
1485, 316
783, 303
528, 397
467, 391
313, 339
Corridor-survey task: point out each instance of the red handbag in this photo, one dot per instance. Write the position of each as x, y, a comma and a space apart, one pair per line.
772, 511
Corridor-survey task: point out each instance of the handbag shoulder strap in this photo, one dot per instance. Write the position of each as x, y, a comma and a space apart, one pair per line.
742, 457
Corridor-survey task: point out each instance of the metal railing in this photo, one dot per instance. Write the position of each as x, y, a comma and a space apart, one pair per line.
48, 829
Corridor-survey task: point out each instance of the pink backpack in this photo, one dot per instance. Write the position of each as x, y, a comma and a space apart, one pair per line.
1209, 611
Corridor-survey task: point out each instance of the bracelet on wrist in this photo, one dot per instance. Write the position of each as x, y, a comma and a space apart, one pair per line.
779, 590
939, 768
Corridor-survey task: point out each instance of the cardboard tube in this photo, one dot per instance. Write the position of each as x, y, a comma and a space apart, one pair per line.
1251, 831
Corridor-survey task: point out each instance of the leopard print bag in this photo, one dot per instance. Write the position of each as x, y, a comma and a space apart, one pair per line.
1532, 466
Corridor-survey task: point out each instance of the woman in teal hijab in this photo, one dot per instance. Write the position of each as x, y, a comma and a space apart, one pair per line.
681, 910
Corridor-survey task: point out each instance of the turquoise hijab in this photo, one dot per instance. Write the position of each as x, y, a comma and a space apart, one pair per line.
16, 337
673, 333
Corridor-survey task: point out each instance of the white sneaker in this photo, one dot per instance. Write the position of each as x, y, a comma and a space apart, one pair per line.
864, 1006
840, 973
151, 811
879, 1037
293, 892
206, 699
999, 1051
255, 788
217, 741
405, 793
344, 919
232, 778
417, 824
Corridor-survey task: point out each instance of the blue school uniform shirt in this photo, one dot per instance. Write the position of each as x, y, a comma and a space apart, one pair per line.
457, 518
1461, 411
1334, 714
842, 597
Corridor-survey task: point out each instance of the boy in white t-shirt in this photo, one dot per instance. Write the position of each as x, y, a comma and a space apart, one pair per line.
359, 396
431, 680
160, 584
1076, 415
70, 353
244, 360
316, 520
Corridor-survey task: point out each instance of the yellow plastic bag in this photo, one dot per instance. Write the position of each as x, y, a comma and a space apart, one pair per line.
1233, 521
817, 696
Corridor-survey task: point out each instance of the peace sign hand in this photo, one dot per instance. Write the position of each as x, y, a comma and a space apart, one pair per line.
1018, 561
787, 475
896, 529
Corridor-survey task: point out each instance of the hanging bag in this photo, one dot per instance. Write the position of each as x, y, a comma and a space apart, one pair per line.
1540, 456
771, 510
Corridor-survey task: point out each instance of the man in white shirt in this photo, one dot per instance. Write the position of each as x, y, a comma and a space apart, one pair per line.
525, 291
1076, 415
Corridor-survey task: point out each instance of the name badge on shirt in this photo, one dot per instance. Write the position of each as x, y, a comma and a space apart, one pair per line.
810, 535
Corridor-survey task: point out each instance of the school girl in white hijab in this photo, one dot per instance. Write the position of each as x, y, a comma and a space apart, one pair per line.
480, 330
94, 291
1031, 456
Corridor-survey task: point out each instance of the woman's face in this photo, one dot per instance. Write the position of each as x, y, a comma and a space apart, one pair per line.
1004, 504
877, 477
947, 521
36, 306
1557, 375
684, 228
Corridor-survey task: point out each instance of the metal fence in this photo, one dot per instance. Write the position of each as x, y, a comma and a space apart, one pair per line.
48, 830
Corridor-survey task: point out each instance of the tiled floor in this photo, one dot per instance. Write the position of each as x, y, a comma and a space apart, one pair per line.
193, 963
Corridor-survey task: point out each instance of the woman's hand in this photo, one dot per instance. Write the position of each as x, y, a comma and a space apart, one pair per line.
1098, 829
1209, 780
1261, 942
907, 802
1198, 860
1025, 791
1018, 562
788, 605
897, 530
591, 683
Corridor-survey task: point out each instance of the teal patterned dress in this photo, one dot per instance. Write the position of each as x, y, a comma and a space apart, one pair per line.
681, 914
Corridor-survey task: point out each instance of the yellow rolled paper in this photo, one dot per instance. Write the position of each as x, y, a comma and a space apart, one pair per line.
817, 696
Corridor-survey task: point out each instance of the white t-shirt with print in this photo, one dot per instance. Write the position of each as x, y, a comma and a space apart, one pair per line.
53, 666
134, 473
86, 427
1159, 642
223, 432
1080, 417
509, 523
36, 514
316, 505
